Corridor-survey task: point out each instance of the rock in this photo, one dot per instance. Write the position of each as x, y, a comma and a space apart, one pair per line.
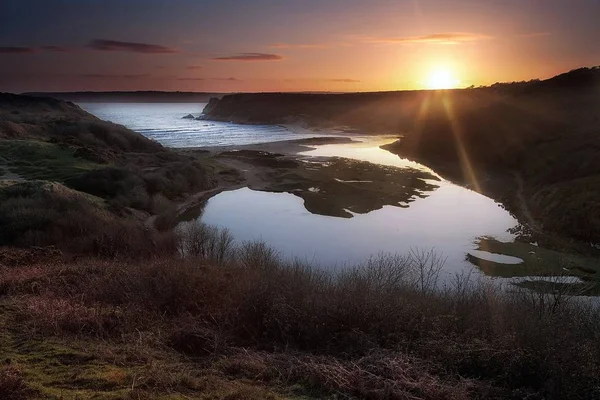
212, 104
189, 116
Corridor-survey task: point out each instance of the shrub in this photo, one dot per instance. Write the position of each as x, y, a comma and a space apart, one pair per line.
372, 331
42, 214
12, 384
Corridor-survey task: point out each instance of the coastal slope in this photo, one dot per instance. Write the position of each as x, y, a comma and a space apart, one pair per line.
74, 181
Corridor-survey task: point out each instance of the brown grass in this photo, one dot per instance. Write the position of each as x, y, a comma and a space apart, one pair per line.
42, 214
385, 329
12, 384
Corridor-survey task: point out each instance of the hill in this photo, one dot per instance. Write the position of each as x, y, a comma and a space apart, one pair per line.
49, 147
535, 145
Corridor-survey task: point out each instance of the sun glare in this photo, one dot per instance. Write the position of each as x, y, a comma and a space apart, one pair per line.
441, 79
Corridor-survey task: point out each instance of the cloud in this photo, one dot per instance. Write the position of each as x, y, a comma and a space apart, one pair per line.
298, 46
533, 34
57, 49
316, 80
250, 57
17, 50
194, 67
227, 79
345, 80
113, 45
190, 79
113, 76
434, 38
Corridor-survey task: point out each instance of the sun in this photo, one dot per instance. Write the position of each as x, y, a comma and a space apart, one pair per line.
441, 79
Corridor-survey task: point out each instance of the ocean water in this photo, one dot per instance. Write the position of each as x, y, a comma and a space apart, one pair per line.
164, 123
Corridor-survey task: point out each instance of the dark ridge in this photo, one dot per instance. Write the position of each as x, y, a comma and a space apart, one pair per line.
534, 146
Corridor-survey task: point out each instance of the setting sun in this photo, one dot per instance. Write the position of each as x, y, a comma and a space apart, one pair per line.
441, 79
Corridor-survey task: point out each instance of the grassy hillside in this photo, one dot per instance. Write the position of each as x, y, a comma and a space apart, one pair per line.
54, 146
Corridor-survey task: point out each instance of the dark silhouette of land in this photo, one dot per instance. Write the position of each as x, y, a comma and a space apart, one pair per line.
535, 145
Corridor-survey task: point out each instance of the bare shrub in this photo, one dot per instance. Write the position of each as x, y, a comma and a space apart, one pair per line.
257, 255
12, 384
378, 330
425, 266
205, 242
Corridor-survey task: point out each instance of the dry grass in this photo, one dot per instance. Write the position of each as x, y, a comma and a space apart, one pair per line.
12, 384
382, 330
41, 214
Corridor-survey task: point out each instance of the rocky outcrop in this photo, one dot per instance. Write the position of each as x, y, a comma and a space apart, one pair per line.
189, 116
211, 106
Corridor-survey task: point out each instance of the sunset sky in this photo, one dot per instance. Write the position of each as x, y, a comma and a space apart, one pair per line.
289, 45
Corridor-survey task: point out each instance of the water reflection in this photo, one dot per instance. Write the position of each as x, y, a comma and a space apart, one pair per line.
342, 187
449, 220
367, 149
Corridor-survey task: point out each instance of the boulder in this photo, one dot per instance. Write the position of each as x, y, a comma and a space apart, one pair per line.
189, 116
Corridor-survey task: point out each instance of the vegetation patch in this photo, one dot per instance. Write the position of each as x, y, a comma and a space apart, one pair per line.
43, 161
539, 261
225, 321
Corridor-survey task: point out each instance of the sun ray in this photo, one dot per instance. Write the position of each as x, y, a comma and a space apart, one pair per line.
465, 161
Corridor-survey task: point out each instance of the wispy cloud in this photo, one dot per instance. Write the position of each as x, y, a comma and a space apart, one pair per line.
113, 76
194, 67
226, 79
57, 49
344, 80
316, 80
434, 38
250, 57
190, 79
299, 46
114, 45
17, 50
533, 34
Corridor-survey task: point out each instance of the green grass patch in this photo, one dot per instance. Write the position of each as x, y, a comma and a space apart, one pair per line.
44, 161
538, 261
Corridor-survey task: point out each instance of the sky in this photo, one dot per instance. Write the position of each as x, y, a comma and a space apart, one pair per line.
290, 45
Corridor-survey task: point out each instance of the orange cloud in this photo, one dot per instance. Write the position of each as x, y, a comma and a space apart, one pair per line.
227, 79
434, 38
250, 57
298, 46
345, 80
194, 67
